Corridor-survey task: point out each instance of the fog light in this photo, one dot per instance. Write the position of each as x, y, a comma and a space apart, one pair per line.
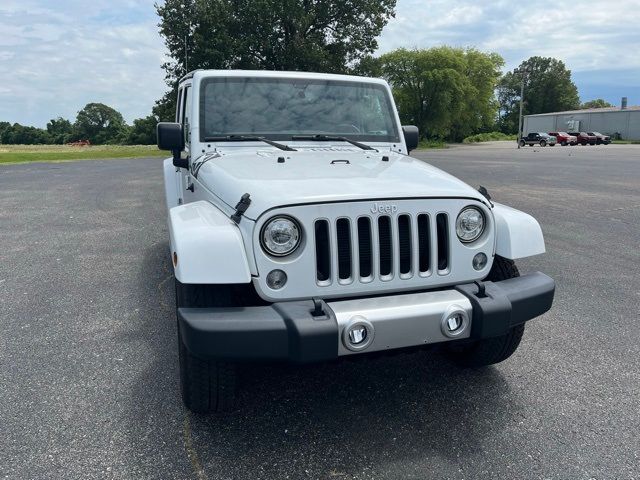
276, 279
358, 334
479, 261
455, 321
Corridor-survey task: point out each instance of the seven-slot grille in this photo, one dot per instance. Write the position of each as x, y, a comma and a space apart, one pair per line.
383, 247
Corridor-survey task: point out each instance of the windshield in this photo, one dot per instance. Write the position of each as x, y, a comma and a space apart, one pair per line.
278, 108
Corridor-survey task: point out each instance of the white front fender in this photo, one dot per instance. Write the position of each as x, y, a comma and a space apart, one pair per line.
207, 245
518, 234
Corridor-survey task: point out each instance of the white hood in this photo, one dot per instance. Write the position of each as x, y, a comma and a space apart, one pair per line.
309, 176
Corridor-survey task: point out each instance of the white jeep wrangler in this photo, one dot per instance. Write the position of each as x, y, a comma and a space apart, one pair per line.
302, 231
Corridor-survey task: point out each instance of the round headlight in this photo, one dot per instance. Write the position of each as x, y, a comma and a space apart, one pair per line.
280, 236
469, 224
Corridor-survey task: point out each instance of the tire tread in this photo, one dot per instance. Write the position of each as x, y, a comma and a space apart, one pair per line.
489, 351
206, 385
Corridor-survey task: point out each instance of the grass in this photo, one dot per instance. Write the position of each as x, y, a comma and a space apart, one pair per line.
425, 144
62, 153
489, 137
626, 142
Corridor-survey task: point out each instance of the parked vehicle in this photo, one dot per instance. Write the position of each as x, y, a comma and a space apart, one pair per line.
538, 138
584, 138
564, 139
300, 230
601, 138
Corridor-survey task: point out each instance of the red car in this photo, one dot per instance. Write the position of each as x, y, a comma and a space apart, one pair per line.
564, 138
584, 138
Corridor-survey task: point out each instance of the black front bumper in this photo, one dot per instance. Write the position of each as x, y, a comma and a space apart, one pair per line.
289, 330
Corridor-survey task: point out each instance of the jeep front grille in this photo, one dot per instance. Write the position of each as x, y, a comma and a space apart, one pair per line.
385, 248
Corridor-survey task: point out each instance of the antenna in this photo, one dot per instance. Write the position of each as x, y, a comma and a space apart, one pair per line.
186, 56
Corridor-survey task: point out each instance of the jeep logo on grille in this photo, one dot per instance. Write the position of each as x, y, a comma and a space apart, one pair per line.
384, 208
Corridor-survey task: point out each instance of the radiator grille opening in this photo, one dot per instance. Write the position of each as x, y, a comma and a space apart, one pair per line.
423, 243
364, 247
443, 241
323, 253
415, 245
404, 242
343, 227
384, 240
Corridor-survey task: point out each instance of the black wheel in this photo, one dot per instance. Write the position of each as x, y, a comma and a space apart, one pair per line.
207, 385
522, 143
493, 350
552, 144
543, 143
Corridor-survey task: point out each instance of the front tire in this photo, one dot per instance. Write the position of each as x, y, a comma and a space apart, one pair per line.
489, 351
207, 385
522, 143
543, 143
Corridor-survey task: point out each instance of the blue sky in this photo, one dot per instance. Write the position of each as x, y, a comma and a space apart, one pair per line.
56, 56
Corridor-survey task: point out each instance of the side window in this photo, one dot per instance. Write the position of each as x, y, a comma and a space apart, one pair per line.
186, 122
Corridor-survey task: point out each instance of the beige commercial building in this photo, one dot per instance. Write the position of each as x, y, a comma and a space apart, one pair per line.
625, 122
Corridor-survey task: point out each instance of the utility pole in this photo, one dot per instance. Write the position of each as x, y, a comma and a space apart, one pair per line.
522, 71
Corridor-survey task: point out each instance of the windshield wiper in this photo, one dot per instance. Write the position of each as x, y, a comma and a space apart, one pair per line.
331, 138
248, 138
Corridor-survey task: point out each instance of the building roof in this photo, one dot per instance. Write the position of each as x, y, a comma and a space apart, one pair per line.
588, 110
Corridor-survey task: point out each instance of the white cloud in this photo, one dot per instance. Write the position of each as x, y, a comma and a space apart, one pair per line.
54, 61
57, 56
593, 36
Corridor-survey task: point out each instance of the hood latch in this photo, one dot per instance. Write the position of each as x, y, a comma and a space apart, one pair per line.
241, 207
485, 193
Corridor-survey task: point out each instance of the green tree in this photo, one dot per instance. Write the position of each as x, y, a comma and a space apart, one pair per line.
143, 131
547, 88
309, 35
165, 108
99, 124
17, 134
60, 130
447, 92
3, 127
597, 103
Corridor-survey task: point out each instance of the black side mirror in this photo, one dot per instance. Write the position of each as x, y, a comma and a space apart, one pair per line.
170, 137
411, 136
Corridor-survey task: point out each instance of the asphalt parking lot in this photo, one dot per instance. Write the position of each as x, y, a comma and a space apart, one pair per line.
88, 352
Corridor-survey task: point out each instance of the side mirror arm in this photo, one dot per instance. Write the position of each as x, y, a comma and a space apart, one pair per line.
178, 161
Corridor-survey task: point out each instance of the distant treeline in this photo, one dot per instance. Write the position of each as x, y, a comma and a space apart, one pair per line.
96, 122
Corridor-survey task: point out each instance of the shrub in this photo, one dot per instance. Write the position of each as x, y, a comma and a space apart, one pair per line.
489, 137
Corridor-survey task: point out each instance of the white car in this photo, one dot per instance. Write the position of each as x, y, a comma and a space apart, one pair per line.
301, 230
